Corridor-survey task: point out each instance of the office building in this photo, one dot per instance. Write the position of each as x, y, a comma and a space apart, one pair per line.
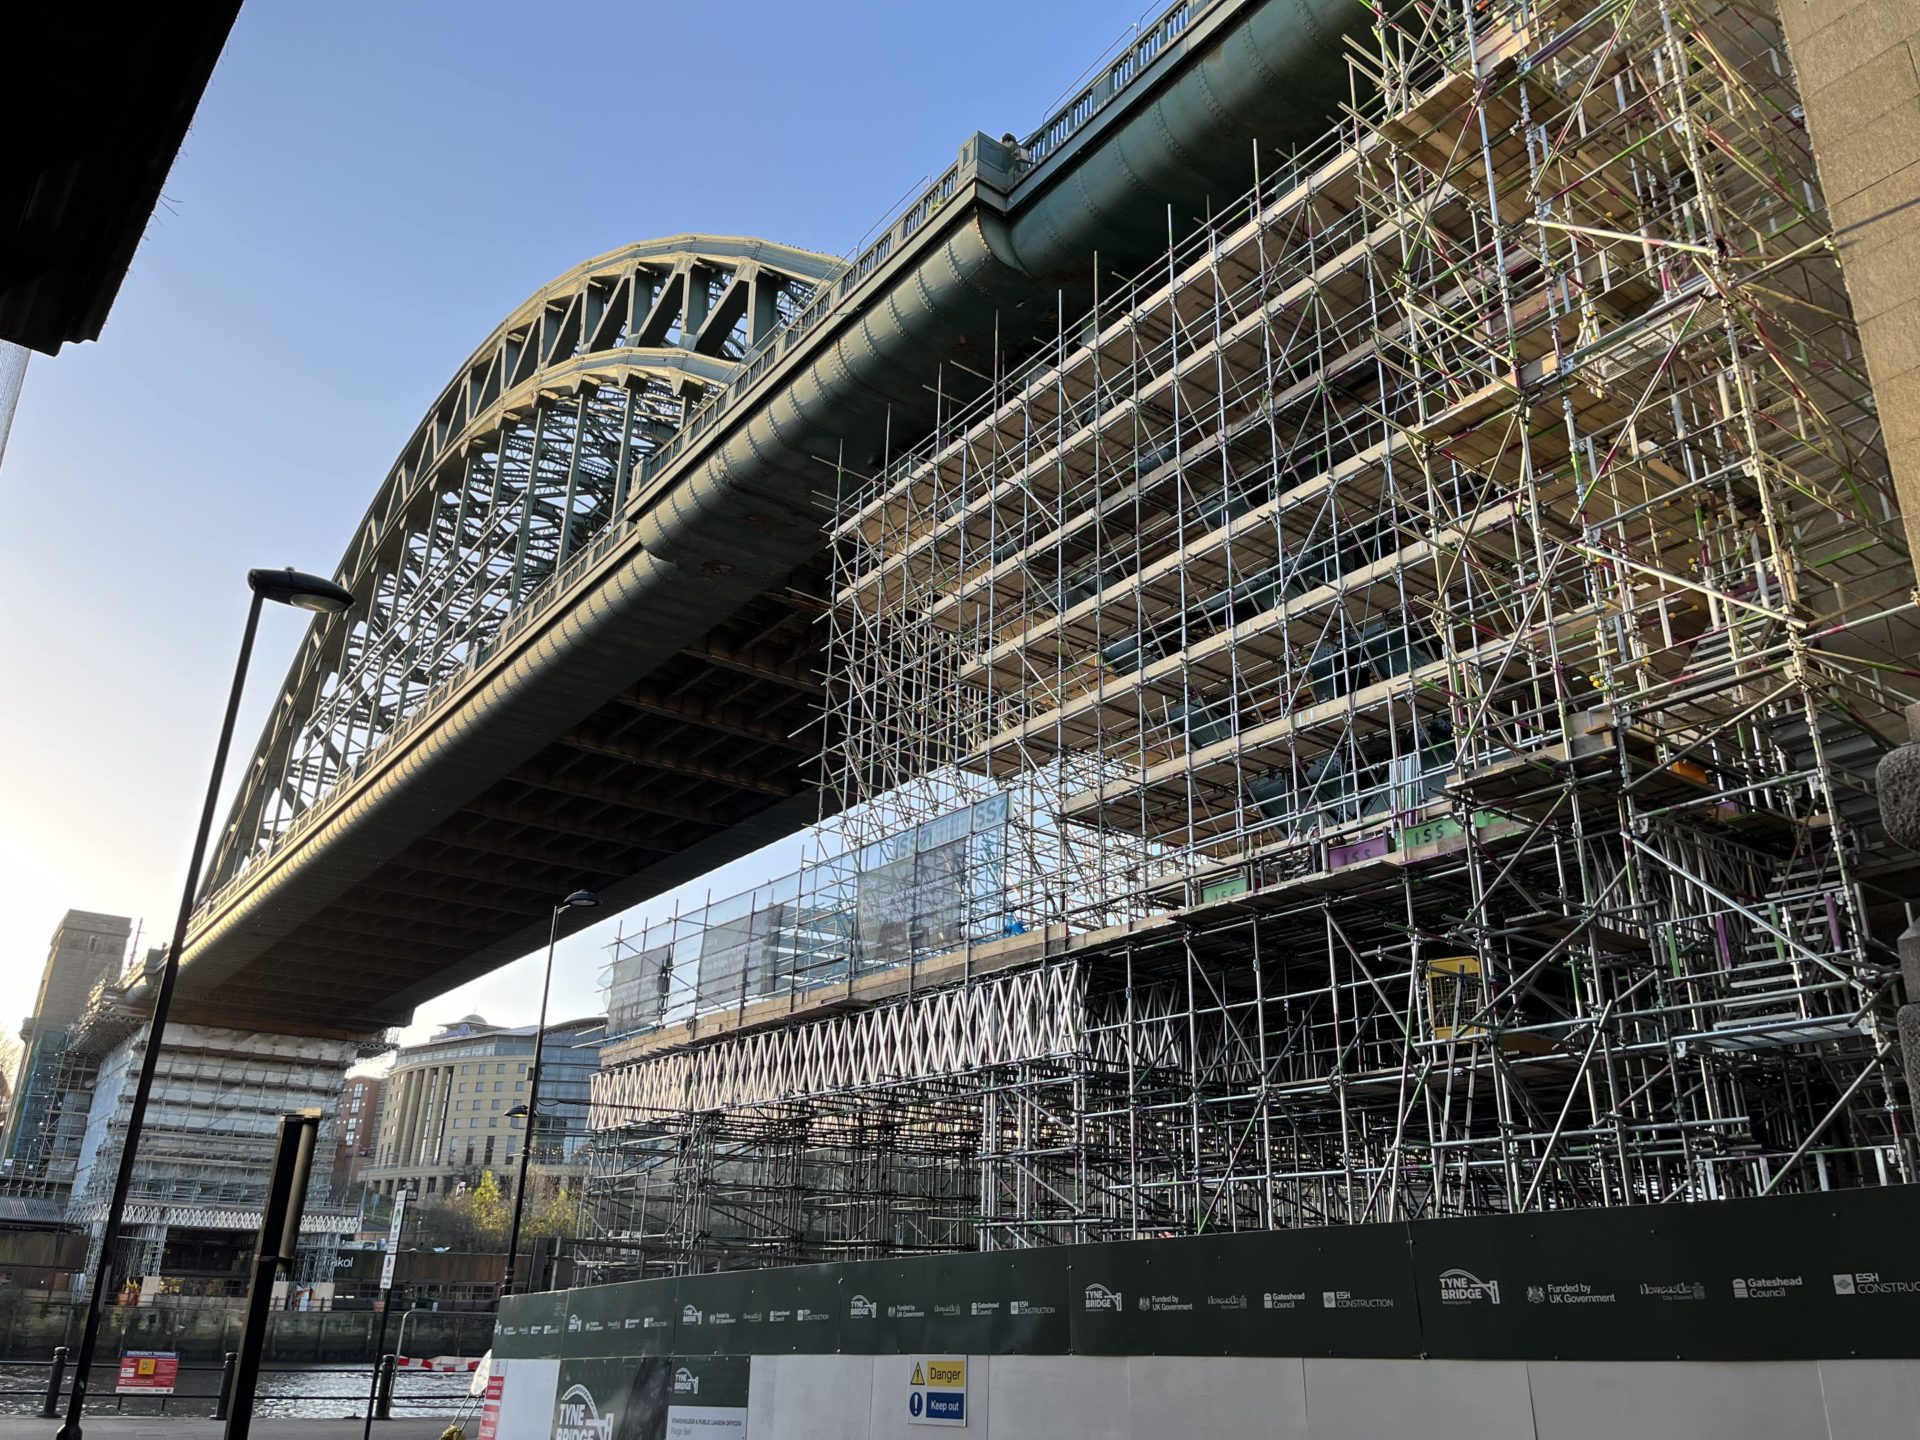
446, 1106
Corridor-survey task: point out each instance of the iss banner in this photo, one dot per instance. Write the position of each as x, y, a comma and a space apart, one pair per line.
652, 1398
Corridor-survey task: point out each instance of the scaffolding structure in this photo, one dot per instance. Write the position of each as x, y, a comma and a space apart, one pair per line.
212, 1121
1434, 632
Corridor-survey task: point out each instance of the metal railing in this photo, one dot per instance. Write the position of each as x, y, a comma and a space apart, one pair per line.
192, 1398
1073, 116
1053, 133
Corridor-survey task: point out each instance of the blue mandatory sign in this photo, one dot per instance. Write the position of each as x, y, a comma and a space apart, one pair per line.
946, 1405
915, 1403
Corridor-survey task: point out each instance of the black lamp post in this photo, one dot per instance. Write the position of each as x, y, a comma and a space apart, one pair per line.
284, 587
578, 900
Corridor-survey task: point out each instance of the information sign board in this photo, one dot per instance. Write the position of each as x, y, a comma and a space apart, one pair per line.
937, 1390
148, 1372
393, 1240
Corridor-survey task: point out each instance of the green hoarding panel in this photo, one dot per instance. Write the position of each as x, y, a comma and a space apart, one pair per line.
1010, 1303
787, 1311
1789, 1277
801, 1310
631, 1319
531, 1327
711, 1308
1344, 1290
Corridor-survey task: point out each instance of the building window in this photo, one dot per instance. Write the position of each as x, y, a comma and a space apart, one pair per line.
496, 1104
498, 1086
518, 1086
456, 1123
493, 1124
500, 1069
430, 1184
489, 1159
465, 1069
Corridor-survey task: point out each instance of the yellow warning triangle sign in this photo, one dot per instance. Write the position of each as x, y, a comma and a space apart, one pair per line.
918, 1378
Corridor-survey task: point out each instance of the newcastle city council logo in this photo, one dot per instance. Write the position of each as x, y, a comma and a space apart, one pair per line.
1463, 1287
579, 1418
861, 1308
685, 1382
573, 1324
1099, 1297
689, 1315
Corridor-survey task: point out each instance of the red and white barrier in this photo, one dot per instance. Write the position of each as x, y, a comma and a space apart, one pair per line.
449, 1363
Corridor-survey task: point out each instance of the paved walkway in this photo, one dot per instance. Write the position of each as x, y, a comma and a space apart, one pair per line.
162, 1427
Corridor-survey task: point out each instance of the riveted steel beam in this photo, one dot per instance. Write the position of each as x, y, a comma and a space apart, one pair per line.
655, 757
725, 719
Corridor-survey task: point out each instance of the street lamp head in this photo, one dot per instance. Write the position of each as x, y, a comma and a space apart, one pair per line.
517, 1111
581, 900
300, 590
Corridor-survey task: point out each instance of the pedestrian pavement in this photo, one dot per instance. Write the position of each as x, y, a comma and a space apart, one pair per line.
168, 1427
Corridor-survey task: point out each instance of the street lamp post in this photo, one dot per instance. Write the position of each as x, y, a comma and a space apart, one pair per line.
578, 900
284, 587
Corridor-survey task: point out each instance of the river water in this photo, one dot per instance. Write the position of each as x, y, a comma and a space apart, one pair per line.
303, 1392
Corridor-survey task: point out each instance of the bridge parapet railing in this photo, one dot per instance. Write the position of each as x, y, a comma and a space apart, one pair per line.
825, 299
1068, 120
1151, 38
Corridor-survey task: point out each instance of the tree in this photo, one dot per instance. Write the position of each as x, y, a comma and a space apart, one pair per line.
555, 1214
473, 1218
479, 1217
491, 1215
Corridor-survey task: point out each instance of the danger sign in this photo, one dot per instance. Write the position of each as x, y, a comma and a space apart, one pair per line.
937, 1390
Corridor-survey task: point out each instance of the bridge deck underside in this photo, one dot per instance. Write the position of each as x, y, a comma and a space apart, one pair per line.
687, 757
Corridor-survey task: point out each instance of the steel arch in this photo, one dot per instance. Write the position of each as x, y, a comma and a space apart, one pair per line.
521, 460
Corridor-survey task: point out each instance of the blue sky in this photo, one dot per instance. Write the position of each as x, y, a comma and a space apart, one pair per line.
366, 190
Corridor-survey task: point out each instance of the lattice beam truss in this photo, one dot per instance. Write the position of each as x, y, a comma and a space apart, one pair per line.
1451, 609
